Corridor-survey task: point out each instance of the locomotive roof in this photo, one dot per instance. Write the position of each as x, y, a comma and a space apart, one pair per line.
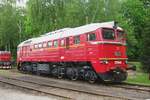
62, 33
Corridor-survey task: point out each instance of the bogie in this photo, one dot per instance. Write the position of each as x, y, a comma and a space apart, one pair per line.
72, 73
91, 76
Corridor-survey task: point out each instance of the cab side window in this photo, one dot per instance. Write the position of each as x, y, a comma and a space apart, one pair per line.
44, 45
40, 45
76, 39
35, 46
91, 37
49, 44
18, 49
62, 42
55, 43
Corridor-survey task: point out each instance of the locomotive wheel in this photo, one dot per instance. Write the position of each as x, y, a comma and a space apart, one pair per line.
61, 72
54, 72
20, 69
74, 74
60, 76
91, 76
23, 69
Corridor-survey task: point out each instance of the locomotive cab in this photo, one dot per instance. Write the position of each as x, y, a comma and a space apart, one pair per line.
112, 55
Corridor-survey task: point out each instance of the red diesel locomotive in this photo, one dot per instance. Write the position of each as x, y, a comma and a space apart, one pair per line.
90, 52
5, 60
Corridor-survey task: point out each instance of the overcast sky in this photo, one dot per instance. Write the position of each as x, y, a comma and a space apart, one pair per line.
21, 3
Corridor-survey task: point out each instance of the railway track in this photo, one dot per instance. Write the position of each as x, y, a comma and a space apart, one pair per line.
114, 91
33, 86
128, 86
136, 87
15, 83
124, 85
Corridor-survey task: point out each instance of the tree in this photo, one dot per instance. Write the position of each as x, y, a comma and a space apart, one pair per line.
8, 26
135, 14
145, 55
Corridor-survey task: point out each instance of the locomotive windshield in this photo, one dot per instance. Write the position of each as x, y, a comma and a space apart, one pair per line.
108, 34
120, 35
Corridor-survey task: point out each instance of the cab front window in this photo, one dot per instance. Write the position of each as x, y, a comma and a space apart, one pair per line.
120, 35
108, 34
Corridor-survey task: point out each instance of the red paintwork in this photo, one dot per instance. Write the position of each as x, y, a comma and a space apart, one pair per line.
85, 51
5, 56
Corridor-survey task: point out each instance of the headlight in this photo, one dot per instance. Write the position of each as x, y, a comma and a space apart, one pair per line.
104, 62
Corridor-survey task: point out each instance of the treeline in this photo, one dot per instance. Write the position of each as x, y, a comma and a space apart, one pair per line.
40, 16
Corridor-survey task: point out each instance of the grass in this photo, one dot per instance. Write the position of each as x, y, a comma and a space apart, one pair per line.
4, 72
138, 77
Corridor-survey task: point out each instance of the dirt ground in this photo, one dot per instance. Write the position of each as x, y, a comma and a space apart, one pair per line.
13, 94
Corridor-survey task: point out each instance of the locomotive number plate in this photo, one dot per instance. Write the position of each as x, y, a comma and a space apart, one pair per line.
118, 62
